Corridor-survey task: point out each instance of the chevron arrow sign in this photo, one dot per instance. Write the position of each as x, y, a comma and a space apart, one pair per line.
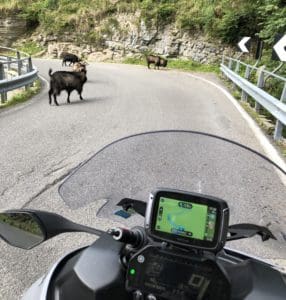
280, 48
243, 44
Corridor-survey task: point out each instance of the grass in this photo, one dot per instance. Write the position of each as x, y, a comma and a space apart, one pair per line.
23, 95
267, 125
8, 5
134, 61
179, 64
190, 65
30, 48
263, 119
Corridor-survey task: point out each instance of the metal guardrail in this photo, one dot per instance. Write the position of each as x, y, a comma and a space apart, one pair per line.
15, 72
276, 107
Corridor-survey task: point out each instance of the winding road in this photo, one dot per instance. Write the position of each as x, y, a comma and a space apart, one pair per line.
41, 144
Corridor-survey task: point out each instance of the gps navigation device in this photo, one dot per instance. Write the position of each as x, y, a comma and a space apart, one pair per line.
187, 219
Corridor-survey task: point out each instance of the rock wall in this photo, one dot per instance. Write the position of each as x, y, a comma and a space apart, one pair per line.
133, 39
12, 27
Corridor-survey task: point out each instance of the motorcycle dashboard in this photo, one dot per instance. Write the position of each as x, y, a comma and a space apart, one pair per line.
188, 219
173, 275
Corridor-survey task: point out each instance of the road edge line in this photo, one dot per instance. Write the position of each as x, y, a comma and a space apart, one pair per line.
27, 103
269, 149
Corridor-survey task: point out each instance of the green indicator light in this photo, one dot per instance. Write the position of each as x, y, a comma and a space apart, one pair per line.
132, 271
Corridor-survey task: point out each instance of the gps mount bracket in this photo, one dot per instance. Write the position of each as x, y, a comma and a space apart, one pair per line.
137, 205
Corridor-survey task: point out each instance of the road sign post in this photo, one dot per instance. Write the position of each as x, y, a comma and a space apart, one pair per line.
259, 49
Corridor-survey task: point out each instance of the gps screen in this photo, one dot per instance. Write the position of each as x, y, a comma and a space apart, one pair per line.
186, 219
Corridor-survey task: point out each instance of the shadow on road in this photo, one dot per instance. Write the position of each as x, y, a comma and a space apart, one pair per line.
85, 101
97, 81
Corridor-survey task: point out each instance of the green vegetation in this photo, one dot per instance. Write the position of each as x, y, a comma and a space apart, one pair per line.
23, 95
10, 5
266, 122
134, 61
94, 21
190, 65
180, 64
21, 221
263, 119
30, 48
223, 19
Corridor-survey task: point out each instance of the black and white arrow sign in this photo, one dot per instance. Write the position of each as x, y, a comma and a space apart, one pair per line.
280, 48
242, 44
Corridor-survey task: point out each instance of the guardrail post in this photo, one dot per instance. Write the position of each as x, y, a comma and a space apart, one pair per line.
19, 63
9, 59
223, 63
2, 76
236, 70
246, 76
30, 64
279, 125
230, 64
237, 67
260, 84
29, 69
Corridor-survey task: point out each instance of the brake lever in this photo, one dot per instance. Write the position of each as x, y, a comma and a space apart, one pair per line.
246, 230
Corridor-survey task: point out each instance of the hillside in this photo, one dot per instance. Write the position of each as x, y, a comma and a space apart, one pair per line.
168, 27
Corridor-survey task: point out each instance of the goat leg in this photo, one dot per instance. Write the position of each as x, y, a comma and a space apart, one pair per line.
50, 96
68, 99
79, 92
55, 100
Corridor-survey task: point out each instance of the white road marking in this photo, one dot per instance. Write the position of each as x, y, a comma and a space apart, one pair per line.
269, 149
25, 104
199, 186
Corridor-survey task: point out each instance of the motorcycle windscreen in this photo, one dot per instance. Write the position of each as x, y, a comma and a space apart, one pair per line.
132, 167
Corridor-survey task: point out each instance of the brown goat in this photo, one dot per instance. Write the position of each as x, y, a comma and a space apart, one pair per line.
79, 67
157, 61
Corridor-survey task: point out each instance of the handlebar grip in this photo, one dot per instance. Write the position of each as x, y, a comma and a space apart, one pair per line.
126, 236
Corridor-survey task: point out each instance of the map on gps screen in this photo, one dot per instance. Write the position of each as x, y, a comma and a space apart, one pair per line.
186, 219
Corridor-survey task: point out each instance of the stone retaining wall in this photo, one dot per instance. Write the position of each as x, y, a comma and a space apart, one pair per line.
11, 28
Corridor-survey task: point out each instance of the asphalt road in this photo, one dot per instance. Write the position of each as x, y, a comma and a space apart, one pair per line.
41, 144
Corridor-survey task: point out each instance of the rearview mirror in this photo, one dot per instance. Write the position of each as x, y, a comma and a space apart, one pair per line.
21, 229
27, 228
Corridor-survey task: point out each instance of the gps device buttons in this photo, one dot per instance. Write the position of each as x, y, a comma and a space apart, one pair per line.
137, 295
151, 297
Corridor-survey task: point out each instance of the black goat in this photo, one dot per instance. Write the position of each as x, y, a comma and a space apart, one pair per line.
69, 81
72, 58
157, 61
163, 62
151, 59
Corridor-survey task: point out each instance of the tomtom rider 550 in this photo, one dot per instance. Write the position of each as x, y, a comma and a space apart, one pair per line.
187, 219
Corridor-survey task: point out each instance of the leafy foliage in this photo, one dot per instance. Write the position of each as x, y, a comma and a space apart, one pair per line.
223, 19
273, 14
